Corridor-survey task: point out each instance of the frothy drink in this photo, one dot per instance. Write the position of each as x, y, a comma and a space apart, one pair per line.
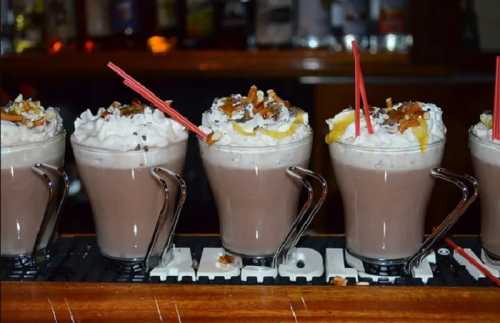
256, 199
115, 152
257, 137
31, 134
385, 177
24, 195
126, 202
385, 205
486, 161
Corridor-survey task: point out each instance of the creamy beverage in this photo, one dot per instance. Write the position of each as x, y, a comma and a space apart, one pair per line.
30, 134
486, 161
385, 177
115, 151
257, 137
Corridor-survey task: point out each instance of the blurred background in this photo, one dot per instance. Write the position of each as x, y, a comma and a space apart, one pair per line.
191, 51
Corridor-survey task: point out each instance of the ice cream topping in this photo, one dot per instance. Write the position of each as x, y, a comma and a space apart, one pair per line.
401, 125
26, 121
484, 128
126, 127
258, 119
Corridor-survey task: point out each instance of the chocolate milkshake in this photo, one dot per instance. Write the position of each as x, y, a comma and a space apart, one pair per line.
116, 150
385, 177
486, 160
31, 135
257, 137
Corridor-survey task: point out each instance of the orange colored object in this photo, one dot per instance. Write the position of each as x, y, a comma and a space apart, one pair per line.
56, 47
156, 101
471, 260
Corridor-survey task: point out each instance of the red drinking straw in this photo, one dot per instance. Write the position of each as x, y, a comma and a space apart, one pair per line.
156, 101
496, 103
357, 122
472, 261
360, 86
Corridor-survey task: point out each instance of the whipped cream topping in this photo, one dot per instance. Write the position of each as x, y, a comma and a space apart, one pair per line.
484, 128
257, 119
409, 124
132, 127
27, 121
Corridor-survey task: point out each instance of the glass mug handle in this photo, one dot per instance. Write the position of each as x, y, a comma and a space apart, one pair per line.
468, 197
158, 173
43, 170
307, 212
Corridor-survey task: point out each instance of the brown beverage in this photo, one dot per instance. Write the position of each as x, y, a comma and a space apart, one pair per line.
486, 161
24, 194
256, 199
384, 208
126, 199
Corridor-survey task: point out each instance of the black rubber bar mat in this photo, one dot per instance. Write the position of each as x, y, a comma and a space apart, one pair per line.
77, 259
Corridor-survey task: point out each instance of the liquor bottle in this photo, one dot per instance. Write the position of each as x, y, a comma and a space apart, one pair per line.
166, 31
6, 27
199, 23
393, 26
355, 22
28, 33
233, 23
273, 23
127, 24
311, 25
97, 25
336, 25
470, 34
60, 22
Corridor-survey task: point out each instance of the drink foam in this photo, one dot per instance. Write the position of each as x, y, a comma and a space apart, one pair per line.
481, 141
127, 128
390, 147
35, 123
255, 158
105, 158
255, 120
26, 155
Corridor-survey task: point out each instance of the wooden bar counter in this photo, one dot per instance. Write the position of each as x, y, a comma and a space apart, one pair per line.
115, 302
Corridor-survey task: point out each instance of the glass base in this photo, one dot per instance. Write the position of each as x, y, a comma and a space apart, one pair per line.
22, 262
125, 267
377, 267
492, 258
246, 260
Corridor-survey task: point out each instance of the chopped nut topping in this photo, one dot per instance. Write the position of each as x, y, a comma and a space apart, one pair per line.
226, 259
338, 281
406, 116
267, 107
26, 112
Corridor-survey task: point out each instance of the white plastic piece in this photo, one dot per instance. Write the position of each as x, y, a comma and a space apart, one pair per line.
444, 251
260, 272
490, 263
180, 265
424, 270
335, 265
473, 271
312, 260
211, 267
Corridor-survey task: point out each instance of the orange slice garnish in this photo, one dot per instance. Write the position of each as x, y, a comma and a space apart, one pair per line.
299, 119
339, 127
421, 133
240, 130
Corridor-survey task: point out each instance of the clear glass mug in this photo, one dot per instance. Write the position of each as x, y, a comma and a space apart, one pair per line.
33, 188
486, 162
385, 192
133, 196
257, 190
